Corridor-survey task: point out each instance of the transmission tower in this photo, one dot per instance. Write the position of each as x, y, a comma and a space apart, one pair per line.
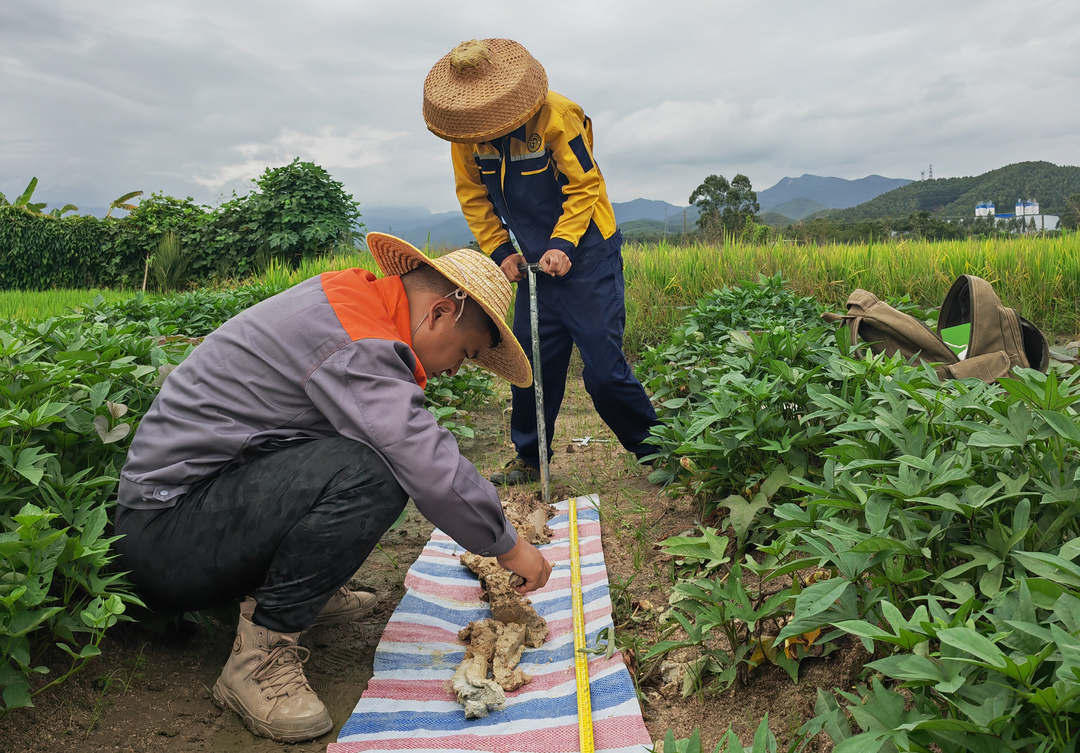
931, 172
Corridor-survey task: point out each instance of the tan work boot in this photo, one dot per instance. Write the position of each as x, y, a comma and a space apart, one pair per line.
264, 683
345, 606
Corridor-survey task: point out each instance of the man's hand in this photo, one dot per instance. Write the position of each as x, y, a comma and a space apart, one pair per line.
509, 267
555, 262
525, 560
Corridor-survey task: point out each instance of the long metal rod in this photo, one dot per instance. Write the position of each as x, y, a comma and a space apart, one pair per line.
538, 380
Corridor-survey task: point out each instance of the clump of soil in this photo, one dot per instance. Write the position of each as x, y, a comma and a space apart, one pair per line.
496, 644
528, 514
472, 687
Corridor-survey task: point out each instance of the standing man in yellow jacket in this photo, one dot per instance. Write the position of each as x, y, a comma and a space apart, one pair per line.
523, 164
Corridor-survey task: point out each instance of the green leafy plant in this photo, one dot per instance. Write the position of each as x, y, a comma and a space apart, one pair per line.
69, 392
169, 263
23, 199
934, 521
1001, 676
451, 398
724, 622
764, 742
294, 212
697, 555
731, 387
122, 203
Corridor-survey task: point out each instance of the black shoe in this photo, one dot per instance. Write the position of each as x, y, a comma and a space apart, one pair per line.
517, 471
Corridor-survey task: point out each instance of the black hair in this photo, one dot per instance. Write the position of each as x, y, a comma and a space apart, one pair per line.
428, 279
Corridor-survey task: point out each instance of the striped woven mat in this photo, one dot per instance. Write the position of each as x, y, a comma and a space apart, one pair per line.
408, 704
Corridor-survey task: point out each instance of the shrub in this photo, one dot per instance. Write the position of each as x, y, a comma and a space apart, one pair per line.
294, 212
934, 521
170, 263
70, 392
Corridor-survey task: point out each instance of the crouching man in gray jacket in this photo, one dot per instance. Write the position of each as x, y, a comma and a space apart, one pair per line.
281, 450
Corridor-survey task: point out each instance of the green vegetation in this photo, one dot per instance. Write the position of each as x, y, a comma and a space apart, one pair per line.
294, 212
764, 742
957, 197
72, 391
1070, 219
1038, 276
724, 208
934, 521
823, 465
43, 304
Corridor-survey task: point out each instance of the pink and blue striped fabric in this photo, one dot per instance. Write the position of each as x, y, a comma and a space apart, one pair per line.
408, 704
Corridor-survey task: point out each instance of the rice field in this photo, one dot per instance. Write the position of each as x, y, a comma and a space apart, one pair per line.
1040, 276
33, 304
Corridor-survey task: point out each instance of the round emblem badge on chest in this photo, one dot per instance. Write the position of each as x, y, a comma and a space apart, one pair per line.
534, 143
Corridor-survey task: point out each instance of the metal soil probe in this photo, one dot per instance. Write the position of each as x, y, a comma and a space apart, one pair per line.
581, 664
530, 271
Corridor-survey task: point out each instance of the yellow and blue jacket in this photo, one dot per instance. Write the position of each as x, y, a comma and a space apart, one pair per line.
541, 183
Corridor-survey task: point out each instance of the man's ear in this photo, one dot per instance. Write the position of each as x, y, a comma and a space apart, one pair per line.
442, 307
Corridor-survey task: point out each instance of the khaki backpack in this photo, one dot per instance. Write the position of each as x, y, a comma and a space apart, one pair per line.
1000, 339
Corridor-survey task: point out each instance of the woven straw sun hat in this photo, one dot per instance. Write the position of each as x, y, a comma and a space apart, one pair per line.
481, 280
483, 89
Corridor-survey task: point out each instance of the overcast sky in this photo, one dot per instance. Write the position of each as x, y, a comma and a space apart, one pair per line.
197, 98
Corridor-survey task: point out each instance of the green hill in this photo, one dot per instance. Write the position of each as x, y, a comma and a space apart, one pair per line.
775, 219
796, 209
1047, 183
647, 230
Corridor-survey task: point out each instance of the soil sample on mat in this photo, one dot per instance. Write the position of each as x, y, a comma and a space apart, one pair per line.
496, 644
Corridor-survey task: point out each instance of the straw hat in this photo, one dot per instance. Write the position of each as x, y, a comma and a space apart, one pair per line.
481, 280
483, 89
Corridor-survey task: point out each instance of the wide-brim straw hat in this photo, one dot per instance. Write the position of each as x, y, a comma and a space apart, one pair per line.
481, 279
483, 89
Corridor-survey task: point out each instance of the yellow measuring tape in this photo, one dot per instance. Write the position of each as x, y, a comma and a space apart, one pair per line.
581, 663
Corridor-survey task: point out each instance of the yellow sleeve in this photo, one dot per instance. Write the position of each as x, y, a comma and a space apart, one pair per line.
570, 140
475, 203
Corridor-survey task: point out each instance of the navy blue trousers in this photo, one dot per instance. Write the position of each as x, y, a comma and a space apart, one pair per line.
586, 308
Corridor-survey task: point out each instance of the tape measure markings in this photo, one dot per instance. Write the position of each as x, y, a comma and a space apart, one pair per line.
581, 662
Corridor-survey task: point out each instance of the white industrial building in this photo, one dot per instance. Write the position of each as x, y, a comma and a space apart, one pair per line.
1028, 209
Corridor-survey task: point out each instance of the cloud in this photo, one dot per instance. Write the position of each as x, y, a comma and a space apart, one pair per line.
362, 148
196, 98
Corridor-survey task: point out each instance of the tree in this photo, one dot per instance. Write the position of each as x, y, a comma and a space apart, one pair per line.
23, 200
1070, 218
723, 207
299, 211
122, 203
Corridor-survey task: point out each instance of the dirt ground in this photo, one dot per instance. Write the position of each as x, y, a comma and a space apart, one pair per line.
150, 691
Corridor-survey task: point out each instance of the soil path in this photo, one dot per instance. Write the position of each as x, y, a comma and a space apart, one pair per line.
150, 691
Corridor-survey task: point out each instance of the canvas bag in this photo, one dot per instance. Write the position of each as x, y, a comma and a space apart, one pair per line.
1000, 339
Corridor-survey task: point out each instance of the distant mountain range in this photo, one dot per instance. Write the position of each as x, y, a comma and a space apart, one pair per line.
789, 200
799, 197
1045, 182
420, 226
